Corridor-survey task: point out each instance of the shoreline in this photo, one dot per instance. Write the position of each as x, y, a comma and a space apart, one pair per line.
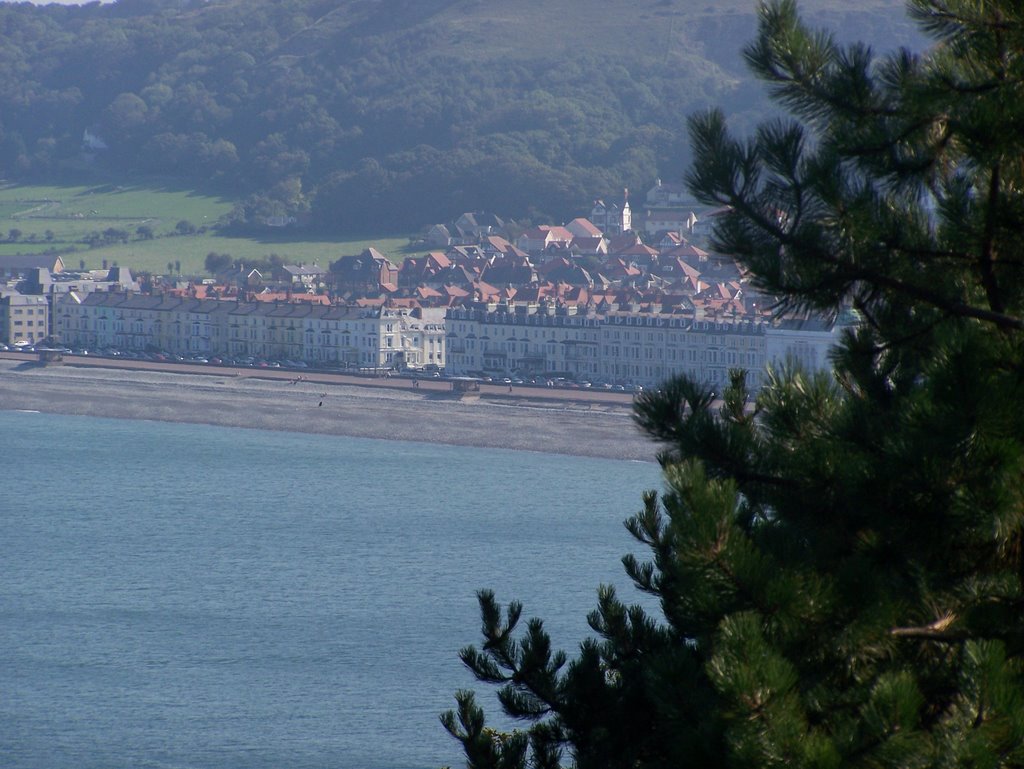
524, 421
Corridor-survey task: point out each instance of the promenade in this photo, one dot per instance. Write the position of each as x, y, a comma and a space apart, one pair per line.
579, 422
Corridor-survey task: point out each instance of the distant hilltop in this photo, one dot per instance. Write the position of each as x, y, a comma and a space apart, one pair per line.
358, 116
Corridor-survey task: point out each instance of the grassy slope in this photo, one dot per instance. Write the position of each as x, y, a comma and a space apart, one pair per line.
191, 250
71, 213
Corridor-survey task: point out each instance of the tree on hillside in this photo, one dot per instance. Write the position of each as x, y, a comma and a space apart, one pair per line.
216, 263
839, 568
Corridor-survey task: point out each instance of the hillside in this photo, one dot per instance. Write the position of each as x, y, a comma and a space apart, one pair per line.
357, 115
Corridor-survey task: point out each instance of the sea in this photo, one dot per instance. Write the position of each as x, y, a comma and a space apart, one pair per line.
194, 597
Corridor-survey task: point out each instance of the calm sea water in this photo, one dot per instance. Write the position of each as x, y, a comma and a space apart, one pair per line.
187, 596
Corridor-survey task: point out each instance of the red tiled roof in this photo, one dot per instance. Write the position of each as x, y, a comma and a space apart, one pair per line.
438, 259
587, 226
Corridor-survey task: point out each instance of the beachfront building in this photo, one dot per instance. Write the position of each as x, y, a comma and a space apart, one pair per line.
24, 318
619, 346
345, 335
648, 348
349, 336
128, 321
629, 346
642, 345
523, 339
805, 342
423, 338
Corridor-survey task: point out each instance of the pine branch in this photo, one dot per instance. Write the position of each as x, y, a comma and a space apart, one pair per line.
846, 273
936, 631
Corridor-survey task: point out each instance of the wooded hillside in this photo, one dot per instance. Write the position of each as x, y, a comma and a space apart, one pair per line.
368, 114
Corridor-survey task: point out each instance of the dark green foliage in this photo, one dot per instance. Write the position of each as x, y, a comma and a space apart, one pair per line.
839, 562
216, 263
392, 115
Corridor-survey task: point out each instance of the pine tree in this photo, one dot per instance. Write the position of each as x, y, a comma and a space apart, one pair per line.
839, 561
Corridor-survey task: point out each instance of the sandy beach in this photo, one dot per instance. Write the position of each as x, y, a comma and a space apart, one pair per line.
277, 401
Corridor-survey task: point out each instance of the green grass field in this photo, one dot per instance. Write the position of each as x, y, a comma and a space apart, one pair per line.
62, 217
191, 250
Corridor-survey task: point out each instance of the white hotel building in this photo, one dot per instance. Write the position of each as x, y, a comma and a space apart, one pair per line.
627, 346
619, 346
355, 337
